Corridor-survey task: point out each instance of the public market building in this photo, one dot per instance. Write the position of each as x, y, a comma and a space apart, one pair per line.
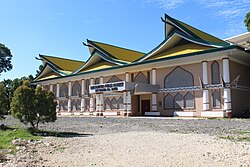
190, 73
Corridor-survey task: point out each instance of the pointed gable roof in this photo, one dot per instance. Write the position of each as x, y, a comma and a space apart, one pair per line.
62, 64
176, 31
172, 23
117, 53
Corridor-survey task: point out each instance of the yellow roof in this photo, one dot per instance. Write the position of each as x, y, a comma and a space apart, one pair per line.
179, 50
63, 64
118, 53
98, 66
48, 76
202, 35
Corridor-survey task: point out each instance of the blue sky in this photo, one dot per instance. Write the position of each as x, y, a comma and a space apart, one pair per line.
58, 27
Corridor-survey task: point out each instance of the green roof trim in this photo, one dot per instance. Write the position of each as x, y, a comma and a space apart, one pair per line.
150, 61
189, 29
201, 42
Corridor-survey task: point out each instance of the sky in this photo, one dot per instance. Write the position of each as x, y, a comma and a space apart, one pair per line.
58, 27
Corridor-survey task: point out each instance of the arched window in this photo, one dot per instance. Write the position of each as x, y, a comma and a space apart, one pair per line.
76, 105
179, 78
107, 104
168, 101
87, 85
87, 104
114, 103
46, 87
114, 79
178, 101
54, 90
141, 78
120, 103
215, 73
216, 99
64, 90
97, 81
63, 105
189, 100
76, 89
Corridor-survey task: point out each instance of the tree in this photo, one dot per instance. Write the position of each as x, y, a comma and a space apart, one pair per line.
40, 68
5, 59
33, 106
12, 85
247, 21
3, 101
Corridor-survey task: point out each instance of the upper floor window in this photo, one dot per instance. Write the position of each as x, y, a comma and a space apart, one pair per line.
179, 78
215, 73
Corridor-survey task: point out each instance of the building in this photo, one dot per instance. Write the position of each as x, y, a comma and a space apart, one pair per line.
190, 73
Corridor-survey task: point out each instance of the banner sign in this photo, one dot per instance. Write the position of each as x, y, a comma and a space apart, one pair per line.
107, 87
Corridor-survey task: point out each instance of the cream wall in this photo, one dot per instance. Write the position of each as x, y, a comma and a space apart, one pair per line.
196, 70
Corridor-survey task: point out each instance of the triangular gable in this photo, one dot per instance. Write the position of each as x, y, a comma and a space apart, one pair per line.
106, 56
174, 24
62, 65
47, 72
117, 53
172, 41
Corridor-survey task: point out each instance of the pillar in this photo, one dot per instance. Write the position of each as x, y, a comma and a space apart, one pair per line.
101, 104
129, 103
127, 77
51, 88
124, 103
91, 101
227, 90
154, 95
154, 102
57, 97
97, 104
205, 93
69, 97
101, 80
83, 96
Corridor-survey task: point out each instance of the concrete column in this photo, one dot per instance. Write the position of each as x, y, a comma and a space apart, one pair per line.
205, 93
101, 80
97, 104
154, 102
91, 101
69, 96
124, 103
57, 97
129, 104
227, 90
101, 106
51, 88
153, 76
83, 96
127, 77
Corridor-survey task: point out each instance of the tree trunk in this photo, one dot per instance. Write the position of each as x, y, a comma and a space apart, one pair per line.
33, 125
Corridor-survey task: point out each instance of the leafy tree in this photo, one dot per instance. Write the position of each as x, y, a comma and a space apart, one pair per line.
40, 68
5, 59
3, 101
247, 21
12, 85
33, 106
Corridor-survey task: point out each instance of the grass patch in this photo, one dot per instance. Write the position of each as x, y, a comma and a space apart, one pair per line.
10, 134
56, 134
237, 138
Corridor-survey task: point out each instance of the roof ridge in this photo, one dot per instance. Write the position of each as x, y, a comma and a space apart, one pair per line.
117, 46
192, 33
61, 58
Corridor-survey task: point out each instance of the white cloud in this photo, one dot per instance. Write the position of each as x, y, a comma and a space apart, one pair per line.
232, 12
166, 4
